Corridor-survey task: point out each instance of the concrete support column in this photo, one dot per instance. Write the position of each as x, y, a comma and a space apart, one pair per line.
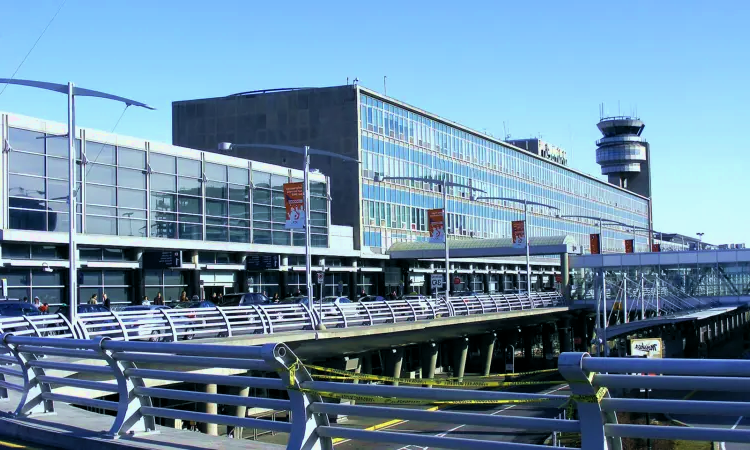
211, 429
528, 335
517, 281
486, 282
194, 282
565, 336
139, 288
548, 331
460, 352
487, 351
240, 412
394, 359
366, 362
565, 275
428, 353
353, 285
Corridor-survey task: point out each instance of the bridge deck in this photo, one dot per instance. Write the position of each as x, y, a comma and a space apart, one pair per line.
72, 428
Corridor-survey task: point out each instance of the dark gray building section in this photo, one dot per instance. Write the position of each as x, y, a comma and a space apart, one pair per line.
323, 118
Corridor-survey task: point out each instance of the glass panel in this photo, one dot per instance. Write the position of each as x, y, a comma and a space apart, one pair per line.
101, 195
238, 176
100, 153
57, 168
130, 157
216, 221
190, 205
43, 252
261, 237
239, 210
132, 199
239, 193
27, 163
116, 277
164, 229
117, 294
239, 235
16, 251
98, 173
216, 189
216, 172
101, 211
165, 183
174, 278
277, 181
277, 198
59, 222
172, 294
189, 167
59, 147
262, 196
26, 140
132, 227
162, 163
190, 186
216, 208
261, 179
279, 215
318, 219
23, 186
190, 218
318, 204
100, 225
317, 188
281, 238
262, 213
131, 178
113, 254
152, 277
91, 278
163, 202
216, 234
58, 190
192, 232
52, 296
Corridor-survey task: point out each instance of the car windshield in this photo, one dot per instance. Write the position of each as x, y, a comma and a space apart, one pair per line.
91, 309
187, 305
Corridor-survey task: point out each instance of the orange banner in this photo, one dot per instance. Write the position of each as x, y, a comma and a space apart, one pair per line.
629, 246
294, 201
518, 229
655, 247
594, 244
436, 221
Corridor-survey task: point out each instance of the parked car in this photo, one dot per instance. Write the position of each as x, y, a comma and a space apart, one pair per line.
248, 299
372, 298
198, 321
144, 329
17, 309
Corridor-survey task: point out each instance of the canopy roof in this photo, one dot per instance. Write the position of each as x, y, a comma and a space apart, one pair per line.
478, 248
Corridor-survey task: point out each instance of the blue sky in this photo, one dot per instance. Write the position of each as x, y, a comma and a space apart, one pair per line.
541, 67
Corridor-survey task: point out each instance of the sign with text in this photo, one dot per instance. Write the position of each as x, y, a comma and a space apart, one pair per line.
294, 201
436, 221
629, 245
649, 347
436, 281
518, 230
260, 261
594, 244
321, 277
161, 260
656, 248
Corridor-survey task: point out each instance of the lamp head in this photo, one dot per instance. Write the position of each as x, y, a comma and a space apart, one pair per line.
378, 178
225, 146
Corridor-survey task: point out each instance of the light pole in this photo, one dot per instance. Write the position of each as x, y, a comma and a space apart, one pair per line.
700, 239
527, 231
72, 92
306, 151
445, 184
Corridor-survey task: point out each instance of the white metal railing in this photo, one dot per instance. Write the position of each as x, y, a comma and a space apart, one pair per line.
161, 325
123, 368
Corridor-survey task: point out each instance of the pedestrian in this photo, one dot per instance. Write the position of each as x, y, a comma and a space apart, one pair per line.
92, 300
184, 297
36, 303
26, 299
196, 298
159, 300
105, 300
145, 301
219, 298
213, 297
276, 298
362, 295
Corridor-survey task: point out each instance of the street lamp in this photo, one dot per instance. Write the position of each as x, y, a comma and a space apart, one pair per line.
527, 232
445, 184
306, 151
700, 239
72, 92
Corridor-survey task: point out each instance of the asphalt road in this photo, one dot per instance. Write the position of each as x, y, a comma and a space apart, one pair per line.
6, 443
719, 421
470, 431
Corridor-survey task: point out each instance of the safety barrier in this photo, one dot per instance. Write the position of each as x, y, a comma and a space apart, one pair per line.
161, 325
121, 367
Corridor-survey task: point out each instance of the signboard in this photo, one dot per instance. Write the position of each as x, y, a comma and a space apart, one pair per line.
649, 347
258, 261
436, 222
518, 233
510, 355
161, 260
558, 278
457, 280
4, 287
321, 277
594, 242
294, 202
577, 340
656, 248
436, 281
629, 245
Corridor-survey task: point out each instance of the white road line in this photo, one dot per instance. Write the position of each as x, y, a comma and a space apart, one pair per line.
737, 423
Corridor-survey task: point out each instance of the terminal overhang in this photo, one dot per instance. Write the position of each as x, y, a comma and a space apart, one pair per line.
479, 248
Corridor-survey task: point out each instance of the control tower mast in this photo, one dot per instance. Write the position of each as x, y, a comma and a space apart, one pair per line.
623, 153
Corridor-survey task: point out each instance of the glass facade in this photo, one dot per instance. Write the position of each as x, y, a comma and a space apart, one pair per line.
398, 142
131, 191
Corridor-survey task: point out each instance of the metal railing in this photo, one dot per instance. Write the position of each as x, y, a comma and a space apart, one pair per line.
161, 325
118, 367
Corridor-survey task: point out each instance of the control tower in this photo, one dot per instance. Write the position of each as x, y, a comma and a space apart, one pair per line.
623, 154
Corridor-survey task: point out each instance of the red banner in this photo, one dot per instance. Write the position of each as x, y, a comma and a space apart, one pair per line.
294, 201
518, 233
629, 245
594, 244
436, 222
655, 247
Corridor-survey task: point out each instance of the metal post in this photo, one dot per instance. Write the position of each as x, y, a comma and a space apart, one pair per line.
605, 318
597, 299
625, 298
445, 234
643, 305
526, 238
657, 296
308, 258
72, 251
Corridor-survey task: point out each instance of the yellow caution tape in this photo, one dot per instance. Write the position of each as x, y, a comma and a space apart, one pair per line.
588, 398
344, 375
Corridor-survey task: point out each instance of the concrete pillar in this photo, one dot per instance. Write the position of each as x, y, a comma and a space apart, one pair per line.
565, 336
353, 285
516, 281
194, 283
239, 412
428, 353
211, 429
565, 275
486, 282
487, 351
460, 352
366, 366
394, 359
139, 288
528, 335
548, 330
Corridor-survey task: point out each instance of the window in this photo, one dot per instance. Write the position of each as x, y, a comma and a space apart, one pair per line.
48, 286
176, 197
171, 284
227, 203
114, 283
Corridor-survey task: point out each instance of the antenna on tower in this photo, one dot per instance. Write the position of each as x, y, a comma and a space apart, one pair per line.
385, 90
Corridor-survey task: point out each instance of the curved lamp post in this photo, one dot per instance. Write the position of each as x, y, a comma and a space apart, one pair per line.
306, 151
72, 92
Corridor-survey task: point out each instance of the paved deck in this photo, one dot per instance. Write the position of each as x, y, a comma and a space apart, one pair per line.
72, 428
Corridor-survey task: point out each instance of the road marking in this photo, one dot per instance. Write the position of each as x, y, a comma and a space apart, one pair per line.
737, 423
13, 445
382, 426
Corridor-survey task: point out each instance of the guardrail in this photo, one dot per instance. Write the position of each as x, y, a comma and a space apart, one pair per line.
161, 325
115, 365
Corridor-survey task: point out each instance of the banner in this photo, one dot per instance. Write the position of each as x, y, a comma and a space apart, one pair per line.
656, 247
629, 245
436, 224
294, 201
519, 233
594, 247
651, 347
